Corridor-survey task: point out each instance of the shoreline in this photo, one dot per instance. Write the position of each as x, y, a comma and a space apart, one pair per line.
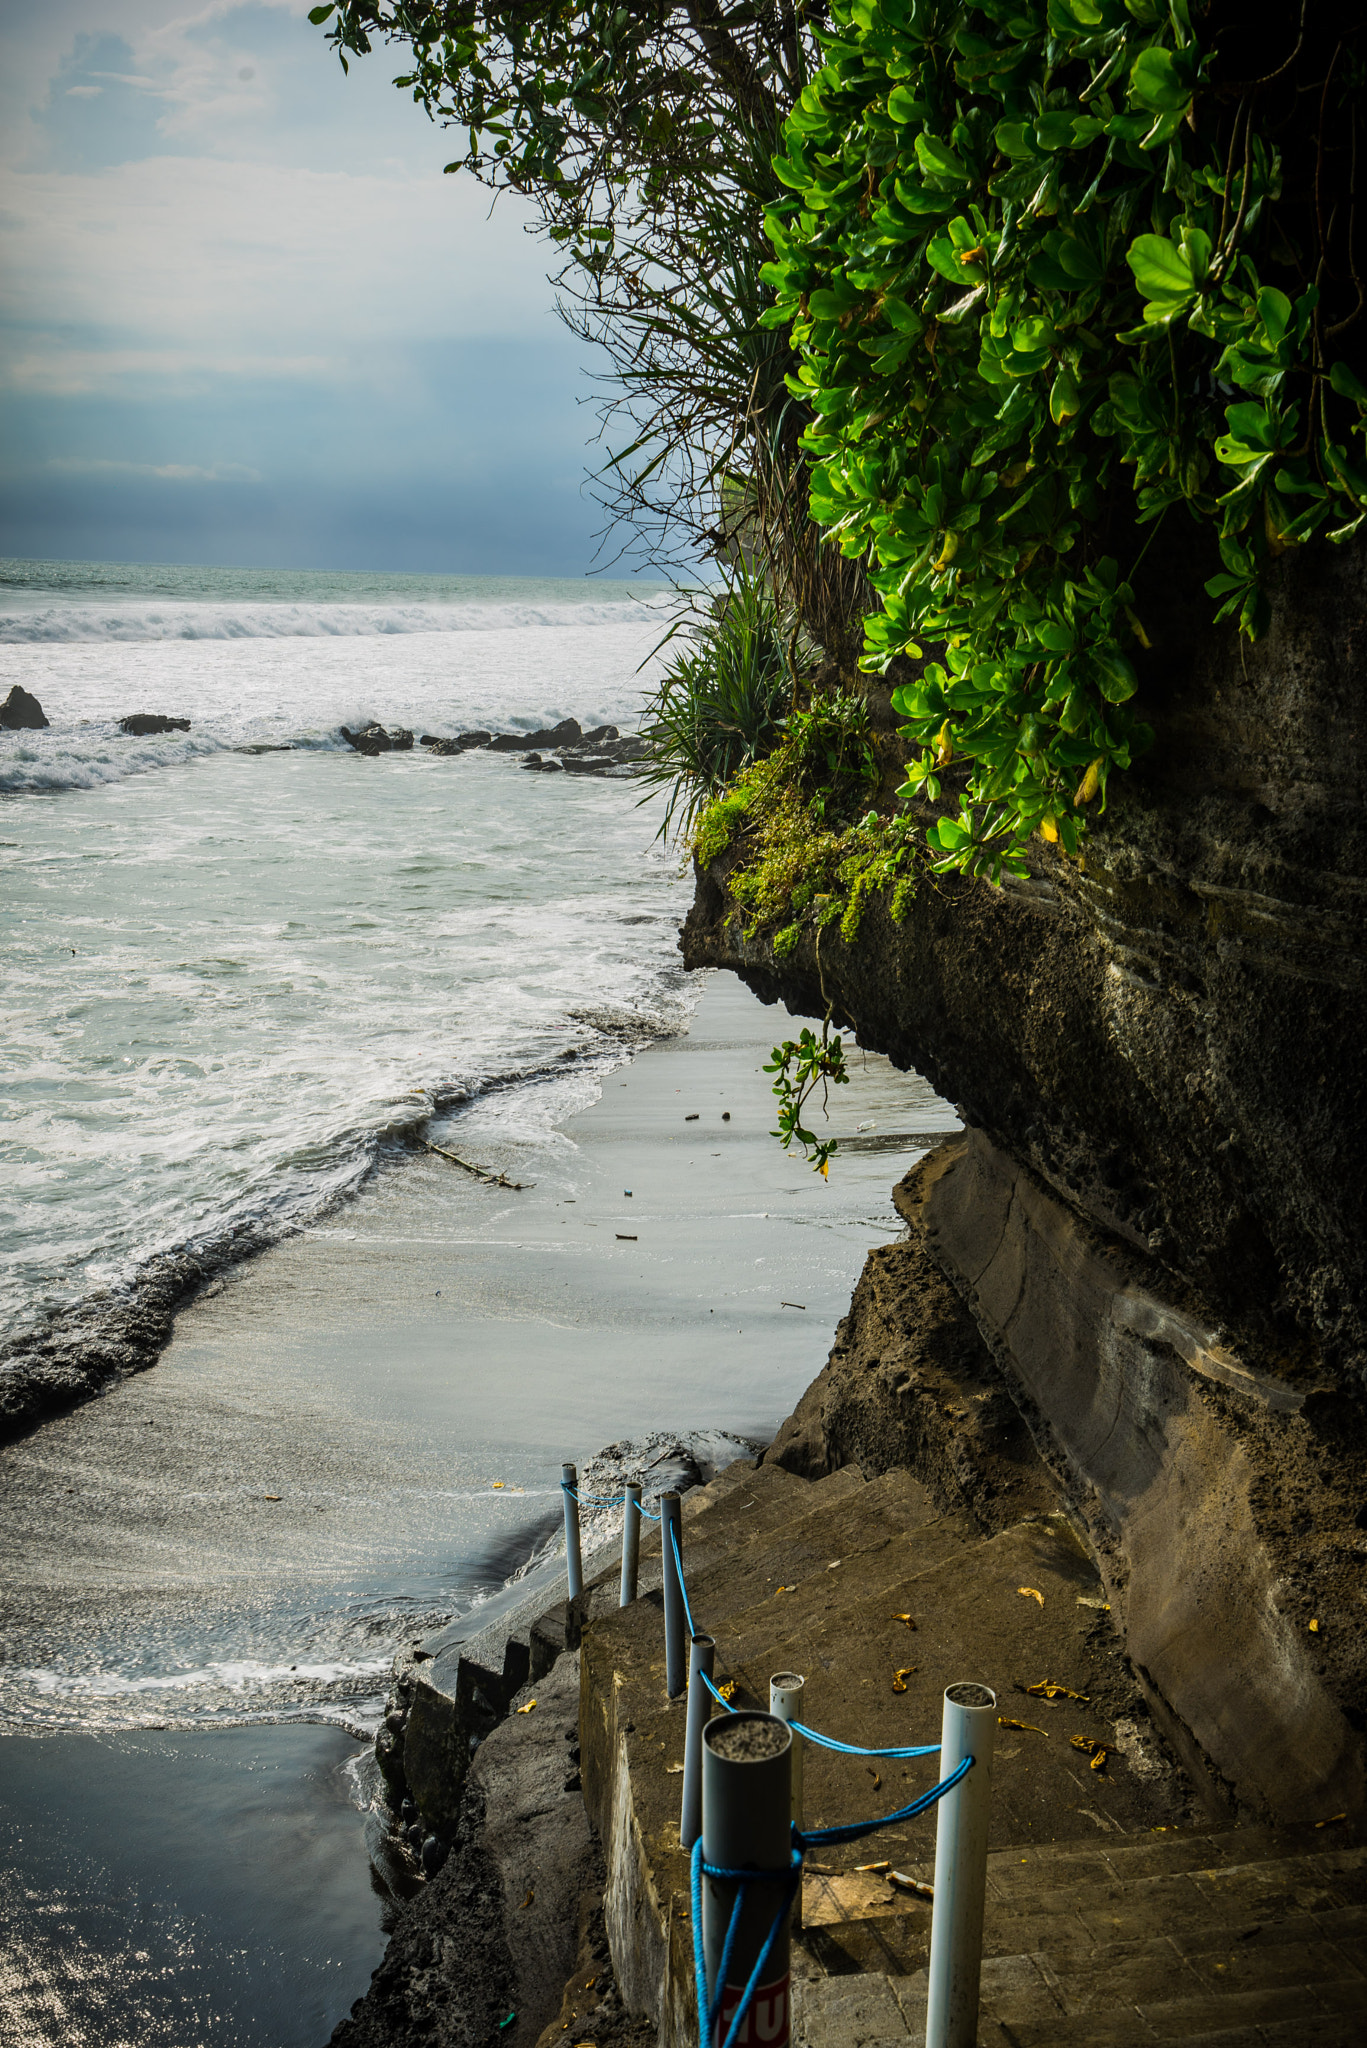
112, 1333
310, 1469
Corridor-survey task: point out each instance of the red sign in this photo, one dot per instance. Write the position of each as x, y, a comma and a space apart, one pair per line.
767, 2023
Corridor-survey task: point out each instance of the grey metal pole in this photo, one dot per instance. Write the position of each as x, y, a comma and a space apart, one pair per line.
746, 1822
701, 1651
631, 1543
676, 1665
574, 1563
785, 1702
968, 1728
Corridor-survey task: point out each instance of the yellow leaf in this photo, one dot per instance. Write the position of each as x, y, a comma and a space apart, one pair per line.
1090, 783
526, 1902
1097, 1751
944, 746
877, 1781
499, 1485
1050, 1689
528, 1708
899, 1678
1025, 1727
1048, 828
825, 1169
948, 551
904, 1618
1031, 1593
1314, 1628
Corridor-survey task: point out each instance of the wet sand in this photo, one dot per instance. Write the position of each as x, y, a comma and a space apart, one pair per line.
307, 1475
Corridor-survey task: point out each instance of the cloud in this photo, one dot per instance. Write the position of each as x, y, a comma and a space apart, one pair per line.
48, 367
214, 260
171, 472
212, 245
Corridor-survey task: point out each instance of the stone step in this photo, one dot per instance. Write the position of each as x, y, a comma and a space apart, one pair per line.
740, 1592
1243, 1936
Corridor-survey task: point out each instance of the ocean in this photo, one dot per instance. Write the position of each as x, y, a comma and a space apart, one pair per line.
232, 977
249, 976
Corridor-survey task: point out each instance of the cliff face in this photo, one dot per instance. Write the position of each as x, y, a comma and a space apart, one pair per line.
1157, 1222
1168, 1031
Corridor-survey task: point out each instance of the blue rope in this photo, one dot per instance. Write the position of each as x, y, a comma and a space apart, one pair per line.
615, 1502
678, 1567
720, 1698
708, 2009
855, 1830
851, 1749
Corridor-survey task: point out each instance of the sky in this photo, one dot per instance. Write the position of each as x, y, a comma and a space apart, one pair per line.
245, 319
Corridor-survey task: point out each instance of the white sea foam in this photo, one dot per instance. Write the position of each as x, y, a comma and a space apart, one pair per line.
237, 1675
90, 621
233, 973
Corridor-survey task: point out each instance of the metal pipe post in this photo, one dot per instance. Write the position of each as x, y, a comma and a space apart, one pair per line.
746, 1822
785, 1702
676, 1662
701, 1650
574, 1563
631, 1542
969, 1728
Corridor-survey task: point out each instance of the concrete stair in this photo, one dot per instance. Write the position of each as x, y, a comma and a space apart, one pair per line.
1111, 1919
1246, 1937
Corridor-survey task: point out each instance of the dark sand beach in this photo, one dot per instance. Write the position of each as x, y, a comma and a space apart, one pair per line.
244, 1533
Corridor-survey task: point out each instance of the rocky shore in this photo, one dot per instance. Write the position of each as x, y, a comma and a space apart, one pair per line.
600, 751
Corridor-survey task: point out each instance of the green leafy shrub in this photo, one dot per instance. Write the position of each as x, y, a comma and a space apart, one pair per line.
1048, 284
720, 703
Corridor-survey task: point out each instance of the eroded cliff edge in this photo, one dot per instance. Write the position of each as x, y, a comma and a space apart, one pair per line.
1157, 1220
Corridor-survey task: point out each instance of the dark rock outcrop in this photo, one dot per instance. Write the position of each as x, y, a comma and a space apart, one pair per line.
461, 744
565, 734
1168, 1030
140, 723
1156, 1218
503, 1926
602, 756
21, 712
378, 739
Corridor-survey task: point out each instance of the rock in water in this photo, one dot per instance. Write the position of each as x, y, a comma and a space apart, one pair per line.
563, 735
378, 739
461, 744
142, 722
22, 713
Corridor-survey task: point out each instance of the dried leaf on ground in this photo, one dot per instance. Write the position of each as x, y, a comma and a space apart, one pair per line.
1031, 1593
1025, 1727
1050, 1689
